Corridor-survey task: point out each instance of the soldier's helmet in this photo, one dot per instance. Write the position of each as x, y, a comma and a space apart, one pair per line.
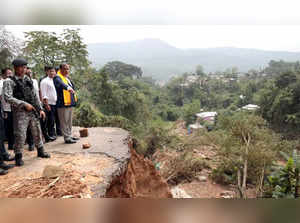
19, 62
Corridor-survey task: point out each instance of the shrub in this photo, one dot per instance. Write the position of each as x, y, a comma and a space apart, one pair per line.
184, 167
118, 121
148, 138
247, 151
86, 115
283, 182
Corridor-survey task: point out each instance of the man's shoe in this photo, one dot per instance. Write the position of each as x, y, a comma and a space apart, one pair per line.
31, 148
53, 137
75, 138
3, 172
5, 166
18, 159
8, 157
49, 138
70, 141
42, 153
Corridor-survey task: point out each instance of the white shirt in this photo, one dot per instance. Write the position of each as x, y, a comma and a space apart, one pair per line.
5, 106
36, 87
48, 90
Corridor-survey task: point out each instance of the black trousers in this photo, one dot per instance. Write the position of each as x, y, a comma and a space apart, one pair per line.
58, 130
48, 125
29, 137
9, 129
50, 121
3, 151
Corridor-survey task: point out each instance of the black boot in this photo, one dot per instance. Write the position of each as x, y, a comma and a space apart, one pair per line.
5, 166
8, 157
18, 159
70, 141
42, 153
30, 147
49, 138
75, 138
3, 172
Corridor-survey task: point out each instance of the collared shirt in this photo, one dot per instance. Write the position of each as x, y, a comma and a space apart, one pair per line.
48, 90
5, 106
36, 87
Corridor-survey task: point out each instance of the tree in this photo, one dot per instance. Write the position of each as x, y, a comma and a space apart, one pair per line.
49, 48
43, 48
284, 181
279, 100
10, 47
74, 50
118, 70
284, 79
112, 99
200, 71
248, 147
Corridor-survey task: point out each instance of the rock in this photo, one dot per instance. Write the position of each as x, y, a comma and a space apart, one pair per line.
84, 132
204, 157
179, 193
202, 178
53, 171
227, 197
86, 145
227, 194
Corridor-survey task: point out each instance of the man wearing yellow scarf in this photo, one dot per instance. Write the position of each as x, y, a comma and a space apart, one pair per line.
66, 100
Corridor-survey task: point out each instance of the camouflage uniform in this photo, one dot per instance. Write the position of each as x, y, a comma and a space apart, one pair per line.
18, 92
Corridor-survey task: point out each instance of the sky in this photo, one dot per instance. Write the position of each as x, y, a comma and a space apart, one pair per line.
266, 37
260, 24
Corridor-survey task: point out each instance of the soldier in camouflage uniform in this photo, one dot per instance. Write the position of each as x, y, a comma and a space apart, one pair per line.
19, 92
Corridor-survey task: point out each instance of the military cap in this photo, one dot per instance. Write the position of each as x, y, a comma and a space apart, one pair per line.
19, 62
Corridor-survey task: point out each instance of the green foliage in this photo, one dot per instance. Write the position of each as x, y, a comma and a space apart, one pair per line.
279, 67
283, 182
279, 100
86, 115
49, 48
184, 167
246, 138
118, 70
118, 121
112, 99
9, 47
200, 71
153, 136
189, 114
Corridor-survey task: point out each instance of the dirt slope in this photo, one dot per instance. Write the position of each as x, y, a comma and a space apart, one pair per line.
140, 180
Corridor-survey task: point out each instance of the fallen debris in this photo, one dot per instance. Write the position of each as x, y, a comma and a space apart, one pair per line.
86, 146
179, 193
52, 171
84, 132
140, 179
66, 186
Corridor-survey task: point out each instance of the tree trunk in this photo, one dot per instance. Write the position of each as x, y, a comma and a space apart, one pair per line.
239, 184
297, 183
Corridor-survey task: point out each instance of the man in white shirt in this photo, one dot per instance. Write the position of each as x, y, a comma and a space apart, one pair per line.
7, 112
49, 98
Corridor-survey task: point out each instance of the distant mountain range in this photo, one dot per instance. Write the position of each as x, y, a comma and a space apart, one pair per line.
162, 61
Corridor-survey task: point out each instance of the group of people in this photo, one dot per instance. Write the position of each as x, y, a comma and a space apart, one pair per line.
33, 112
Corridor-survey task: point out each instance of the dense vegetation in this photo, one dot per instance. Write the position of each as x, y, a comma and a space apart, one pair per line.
248, 142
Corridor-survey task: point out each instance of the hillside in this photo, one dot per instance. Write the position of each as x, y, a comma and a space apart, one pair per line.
162, 61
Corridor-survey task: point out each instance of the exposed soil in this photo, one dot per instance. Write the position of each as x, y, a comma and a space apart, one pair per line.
87, 173
140, 180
